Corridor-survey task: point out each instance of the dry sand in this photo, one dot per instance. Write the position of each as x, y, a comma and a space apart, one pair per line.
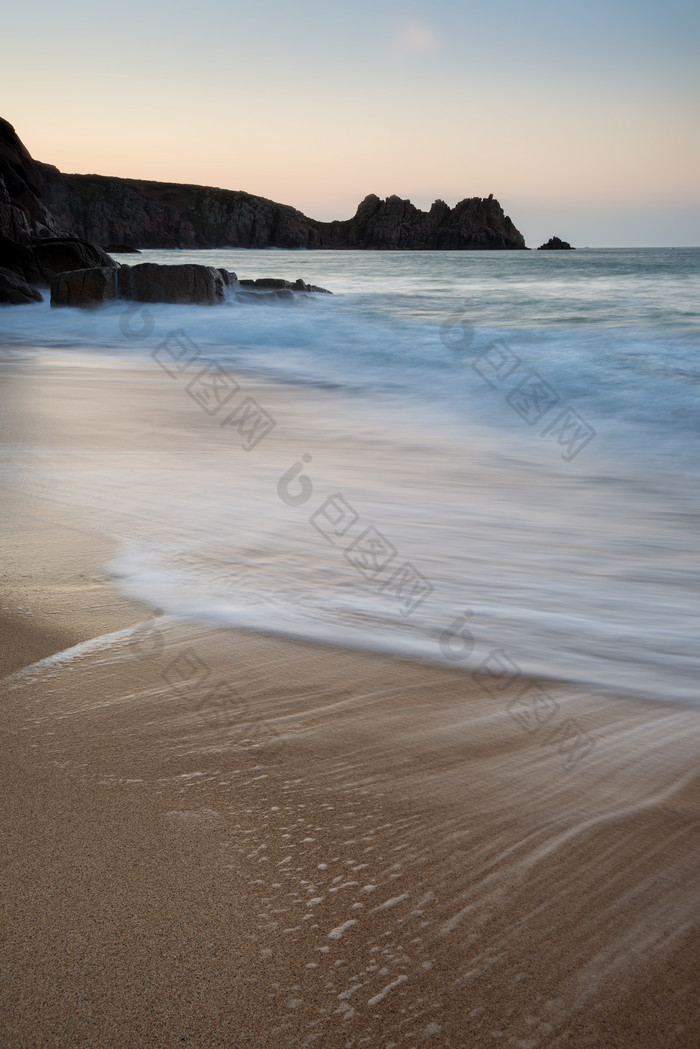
215, 838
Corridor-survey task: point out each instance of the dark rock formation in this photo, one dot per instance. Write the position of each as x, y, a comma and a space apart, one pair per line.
554, 244
475, 223
15, 291
38, 261
87, 287
300, 285
276, 283
58, 254
150, 282
22, 215
147, 282
271, 282
269, 289
37, 200
169, 215
50, 222
32, 244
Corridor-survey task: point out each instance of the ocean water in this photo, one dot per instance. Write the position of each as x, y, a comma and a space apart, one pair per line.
481, 458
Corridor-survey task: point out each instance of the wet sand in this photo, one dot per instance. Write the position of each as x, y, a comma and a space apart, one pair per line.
219, 838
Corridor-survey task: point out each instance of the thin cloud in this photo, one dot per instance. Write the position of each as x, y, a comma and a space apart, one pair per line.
415, 38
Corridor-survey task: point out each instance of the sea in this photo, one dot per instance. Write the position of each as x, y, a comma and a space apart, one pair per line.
488, 460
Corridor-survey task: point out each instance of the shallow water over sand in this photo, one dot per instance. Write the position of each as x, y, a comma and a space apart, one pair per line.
484, 459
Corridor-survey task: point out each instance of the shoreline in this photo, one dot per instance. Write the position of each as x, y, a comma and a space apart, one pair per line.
203, 817
218, 837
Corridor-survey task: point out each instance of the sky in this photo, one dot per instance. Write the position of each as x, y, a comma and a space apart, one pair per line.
582, 120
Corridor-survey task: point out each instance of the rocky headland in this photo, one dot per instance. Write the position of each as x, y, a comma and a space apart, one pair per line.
169, 215
52, 223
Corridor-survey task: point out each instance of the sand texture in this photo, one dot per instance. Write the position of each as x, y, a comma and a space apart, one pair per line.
221, 838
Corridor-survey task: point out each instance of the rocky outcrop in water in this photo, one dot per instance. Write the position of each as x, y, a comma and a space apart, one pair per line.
554, 244
150, 282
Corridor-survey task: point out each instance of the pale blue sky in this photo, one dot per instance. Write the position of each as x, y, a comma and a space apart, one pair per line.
583, 121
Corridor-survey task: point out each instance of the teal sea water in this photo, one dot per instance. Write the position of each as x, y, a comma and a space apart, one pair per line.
490, 459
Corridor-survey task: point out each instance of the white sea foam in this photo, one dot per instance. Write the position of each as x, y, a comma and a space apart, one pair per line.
585, 569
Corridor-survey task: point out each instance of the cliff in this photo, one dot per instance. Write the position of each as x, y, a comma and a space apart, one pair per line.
143, 214
33, 246
38, 202
170, 215
22, 214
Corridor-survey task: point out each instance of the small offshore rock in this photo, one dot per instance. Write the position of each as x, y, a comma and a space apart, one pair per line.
555, 244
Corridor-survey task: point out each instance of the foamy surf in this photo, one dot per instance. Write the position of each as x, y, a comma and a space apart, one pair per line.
397, 497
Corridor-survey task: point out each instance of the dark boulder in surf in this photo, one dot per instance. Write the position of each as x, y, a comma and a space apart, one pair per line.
555, 244
151, 282
87, 287
147, 282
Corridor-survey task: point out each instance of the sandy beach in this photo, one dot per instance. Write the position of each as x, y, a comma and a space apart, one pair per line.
225, 838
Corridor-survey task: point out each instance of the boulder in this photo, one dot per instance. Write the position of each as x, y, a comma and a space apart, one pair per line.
38, 260
15, 291
271, 289
554, 244
300, 285
272, 283
147, 282
88, 287
58, 254
151, 282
